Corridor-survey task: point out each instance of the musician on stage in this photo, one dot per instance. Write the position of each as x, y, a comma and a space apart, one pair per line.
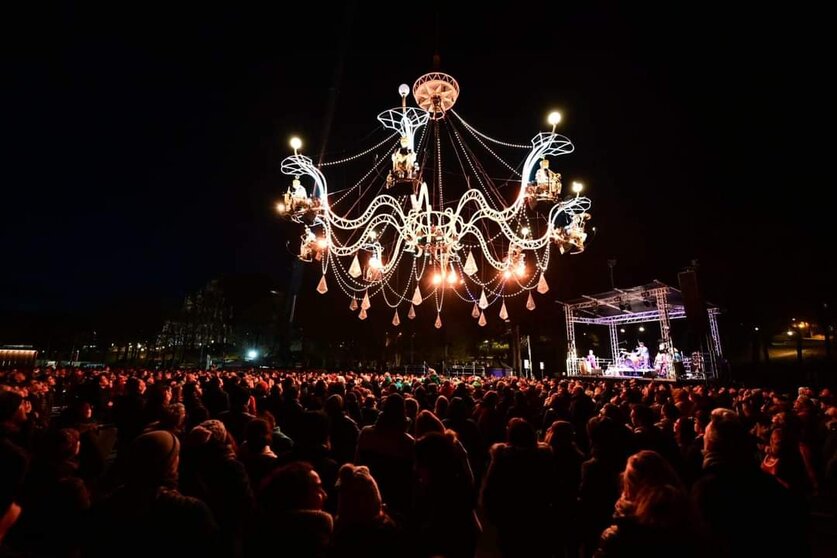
592, 361
641, 351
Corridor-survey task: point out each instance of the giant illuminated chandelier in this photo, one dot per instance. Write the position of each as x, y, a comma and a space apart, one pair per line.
428, 221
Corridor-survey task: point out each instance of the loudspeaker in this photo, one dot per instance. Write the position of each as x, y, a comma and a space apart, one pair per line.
696, 314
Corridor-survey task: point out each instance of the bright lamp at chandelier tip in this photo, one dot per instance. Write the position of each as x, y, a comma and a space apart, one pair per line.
296, 143
403, 89
577, 187
554, 118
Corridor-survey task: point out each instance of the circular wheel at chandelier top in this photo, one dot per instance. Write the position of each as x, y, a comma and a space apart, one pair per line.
435, 211
436, 93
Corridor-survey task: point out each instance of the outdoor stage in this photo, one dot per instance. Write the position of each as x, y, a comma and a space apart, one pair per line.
641, 379
617, 309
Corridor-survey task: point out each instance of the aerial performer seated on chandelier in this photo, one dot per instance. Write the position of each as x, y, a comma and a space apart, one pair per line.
311, 248
404, 164
573, 235
547, 185
298, 201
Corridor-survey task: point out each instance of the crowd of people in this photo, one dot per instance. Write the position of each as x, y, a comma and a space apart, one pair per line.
288, 463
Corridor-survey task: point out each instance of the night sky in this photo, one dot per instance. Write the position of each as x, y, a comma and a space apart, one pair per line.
142, 144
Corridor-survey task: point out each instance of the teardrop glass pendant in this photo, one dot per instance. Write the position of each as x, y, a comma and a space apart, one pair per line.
504, 314
530, 303
322, 287
470, 264
354, 269
483, 300
543, 287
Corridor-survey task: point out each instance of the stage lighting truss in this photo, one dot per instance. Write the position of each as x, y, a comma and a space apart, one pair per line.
428, 218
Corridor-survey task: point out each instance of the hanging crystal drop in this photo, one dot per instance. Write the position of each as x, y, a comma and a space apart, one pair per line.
412, 313
483, 300
365, 305
530, 304
482, 321
395, 319
542, 285
475, 313
470, 264
438, 323
417, 297
354, 269
353, 305
362, 314
322, 287
504, 314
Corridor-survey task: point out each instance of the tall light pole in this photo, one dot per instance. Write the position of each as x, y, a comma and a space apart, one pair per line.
611, 263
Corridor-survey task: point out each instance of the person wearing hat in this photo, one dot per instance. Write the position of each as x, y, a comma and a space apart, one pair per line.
148, 515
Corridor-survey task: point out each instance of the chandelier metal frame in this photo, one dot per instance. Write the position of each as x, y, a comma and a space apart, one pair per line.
409, 242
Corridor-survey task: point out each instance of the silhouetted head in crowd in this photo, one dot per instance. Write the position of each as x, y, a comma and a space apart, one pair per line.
258, 435
646, 472
358, 496
292, 487
155, 457
642, 417
211, 438
334, 405
560, 435
605, 437
173, 417
393, 414
60, 445
521, 434
12, 408
727, 440
427, 422
684, 431
457, 410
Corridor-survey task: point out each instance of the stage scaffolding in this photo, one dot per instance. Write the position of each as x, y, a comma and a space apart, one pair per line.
654, 302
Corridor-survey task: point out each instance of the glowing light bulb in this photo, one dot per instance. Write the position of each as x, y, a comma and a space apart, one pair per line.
506, 274
403, 89
373, 235
280, 207
524, 231
554, 118
577, 187
375, 263
296, 143
521, 270
451, 278
322, 243
437, 278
